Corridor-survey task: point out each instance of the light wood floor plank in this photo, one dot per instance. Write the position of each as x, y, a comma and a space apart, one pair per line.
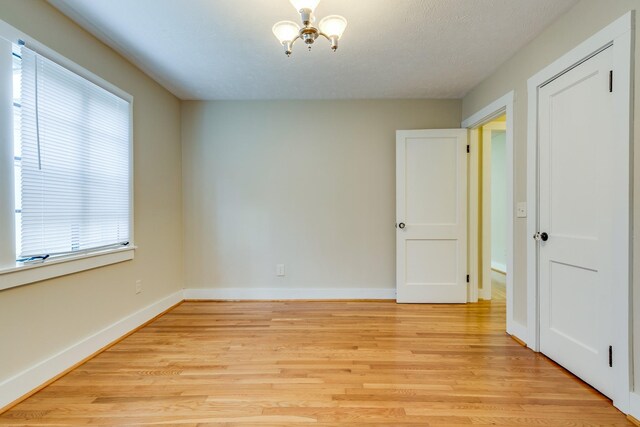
325, 363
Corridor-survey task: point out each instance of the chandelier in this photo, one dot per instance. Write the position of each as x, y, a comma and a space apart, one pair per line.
330, 27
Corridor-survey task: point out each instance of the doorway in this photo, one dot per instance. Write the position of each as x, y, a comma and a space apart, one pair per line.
497, 117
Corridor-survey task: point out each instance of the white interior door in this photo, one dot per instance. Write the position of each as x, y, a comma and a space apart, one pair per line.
576, 203
431, 209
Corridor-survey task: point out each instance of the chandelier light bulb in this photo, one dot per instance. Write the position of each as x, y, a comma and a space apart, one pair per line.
305, 4
333, 26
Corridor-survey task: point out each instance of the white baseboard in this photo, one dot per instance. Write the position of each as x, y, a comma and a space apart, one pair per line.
236, 294
499, 267
32, 378
518, 330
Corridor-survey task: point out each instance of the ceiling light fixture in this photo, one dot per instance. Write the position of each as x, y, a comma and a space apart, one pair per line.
331, 27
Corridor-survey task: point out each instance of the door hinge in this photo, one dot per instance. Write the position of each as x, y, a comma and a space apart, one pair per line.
611, 81
467, 278
611, 356
468, 148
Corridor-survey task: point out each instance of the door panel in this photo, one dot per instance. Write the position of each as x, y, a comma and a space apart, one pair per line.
431, 195
432, 261
429, 172
576, 125
572, 286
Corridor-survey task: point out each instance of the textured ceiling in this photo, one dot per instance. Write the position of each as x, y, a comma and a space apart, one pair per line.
224, 49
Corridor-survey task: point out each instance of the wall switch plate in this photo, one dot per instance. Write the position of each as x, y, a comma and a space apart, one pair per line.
280, 270
138, 286
521, 210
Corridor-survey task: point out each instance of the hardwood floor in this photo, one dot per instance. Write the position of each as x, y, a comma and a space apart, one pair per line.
320, 363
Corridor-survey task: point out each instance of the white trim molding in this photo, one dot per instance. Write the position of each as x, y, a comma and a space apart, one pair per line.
7, 160
495, 109
473, 214
31, 379
619, 35
500, 106
24, 273
266, 294
499, 267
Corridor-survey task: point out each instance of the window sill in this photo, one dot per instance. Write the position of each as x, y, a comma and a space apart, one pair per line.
23, 273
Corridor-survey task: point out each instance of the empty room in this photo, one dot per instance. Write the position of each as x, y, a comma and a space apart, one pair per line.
319, 212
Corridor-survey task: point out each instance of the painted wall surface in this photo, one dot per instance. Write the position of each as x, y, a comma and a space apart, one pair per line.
579, 23
498, 200
41, 319
307, 184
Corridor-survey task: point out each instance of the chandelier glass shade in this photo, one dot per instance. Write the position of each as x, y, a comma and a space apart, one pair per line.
331, 27
305, 4
286, 31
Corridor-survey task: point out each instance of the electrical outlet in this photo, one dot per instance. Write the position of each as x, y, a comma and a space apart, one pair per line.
138, 286
280, 270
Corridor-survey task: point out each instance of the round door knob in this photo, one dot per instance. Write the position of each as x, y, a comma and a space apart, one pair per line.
401, 225
544, 236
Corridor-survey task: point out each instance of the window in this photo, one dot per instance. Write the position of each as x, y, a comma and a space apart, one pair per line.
72, 161
65, 168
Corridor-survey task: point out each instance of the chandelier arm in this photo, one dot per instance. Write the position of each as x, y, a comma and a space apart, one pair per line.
288, 45
332, 39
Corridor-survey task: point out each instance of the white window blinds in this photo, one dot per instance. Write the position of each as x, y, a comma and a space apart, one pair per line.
75, 179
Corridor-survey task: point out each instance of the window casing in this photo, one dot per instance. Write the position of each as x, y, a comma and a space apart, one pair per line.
83, 133
17, 147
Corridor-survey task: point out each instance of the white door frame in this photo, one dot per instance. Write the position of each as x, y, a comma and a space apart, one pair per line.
500, 106
619, 37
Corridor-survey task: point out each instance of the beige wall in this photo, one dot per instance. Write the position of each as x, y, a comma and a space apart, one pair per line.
582, 21
44, 318
307, 184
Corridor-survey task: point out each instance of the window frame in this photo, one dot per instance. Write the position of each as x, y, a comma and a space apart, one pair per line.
21, 273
